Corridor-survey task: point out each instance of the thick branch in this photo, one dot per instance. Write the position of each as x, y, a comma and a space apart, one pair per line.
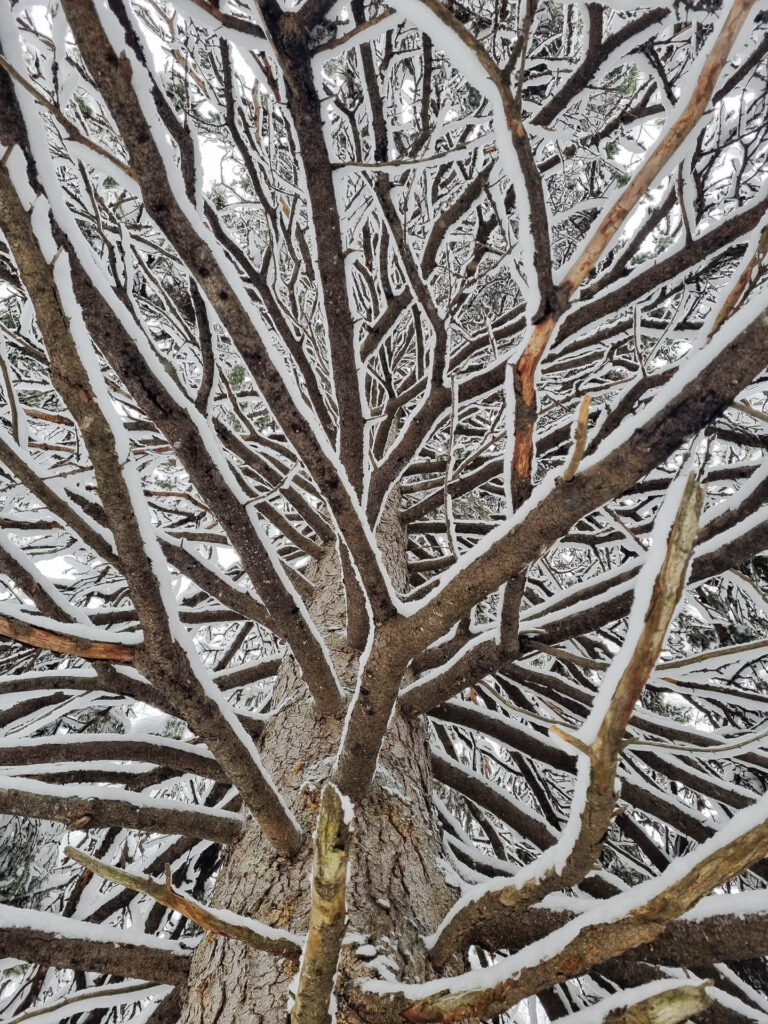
85, 807
706, 939
180, 757
42, 938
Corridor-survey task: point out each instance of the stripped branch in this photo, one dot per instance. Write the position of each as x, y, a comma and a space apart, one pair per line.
62, 642
598, 744
579, 439
327, 915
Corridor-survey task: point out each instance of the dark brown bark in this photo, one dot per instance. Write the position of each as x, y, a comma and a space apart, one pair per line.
683, 944
120, 958
104, 812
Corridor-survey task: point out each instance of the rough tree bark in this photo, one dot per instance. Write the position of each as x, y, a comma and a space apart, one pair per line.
396, 891
502, 257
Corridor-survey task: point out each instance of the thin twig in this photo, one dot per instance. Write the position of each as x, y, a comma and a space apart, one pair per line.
579, 439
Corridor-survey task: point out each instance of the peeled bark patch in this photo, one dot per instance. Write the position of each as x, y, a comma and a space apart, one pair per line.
327, 916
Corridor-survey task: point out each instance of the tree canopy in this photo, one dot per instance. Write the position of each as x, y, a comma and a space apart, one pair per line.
455, 309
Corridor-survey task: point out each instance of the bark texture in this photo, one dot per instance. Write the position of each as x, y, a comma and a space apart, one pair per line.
396, 889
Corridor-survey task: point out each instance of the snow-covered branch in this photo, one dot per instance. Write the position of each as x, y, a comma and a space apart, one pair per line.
40, 937
246, 930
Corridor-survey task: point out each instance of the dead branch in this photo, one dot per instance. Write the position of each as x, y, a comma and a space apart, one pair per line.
327, 916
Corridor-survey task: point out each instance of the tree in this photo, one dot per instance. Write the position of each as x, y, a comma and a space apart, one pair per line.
382, 447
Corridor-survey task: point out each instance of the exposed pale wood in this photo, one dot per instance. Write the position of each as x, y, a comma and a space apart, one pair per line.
49, 640
327, 915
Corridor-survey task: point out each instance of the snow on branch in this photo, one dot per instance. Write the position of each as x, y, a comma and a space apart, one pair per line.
349, 356
173, 754
699, 88
105, 997
219, 922
83, 807
599, 742
609, 929
41, 937
717, 372
168, 655
663, 1002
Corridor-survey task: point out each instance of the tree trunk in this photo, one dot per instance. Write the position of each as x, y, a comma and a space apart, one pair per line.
396, 889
